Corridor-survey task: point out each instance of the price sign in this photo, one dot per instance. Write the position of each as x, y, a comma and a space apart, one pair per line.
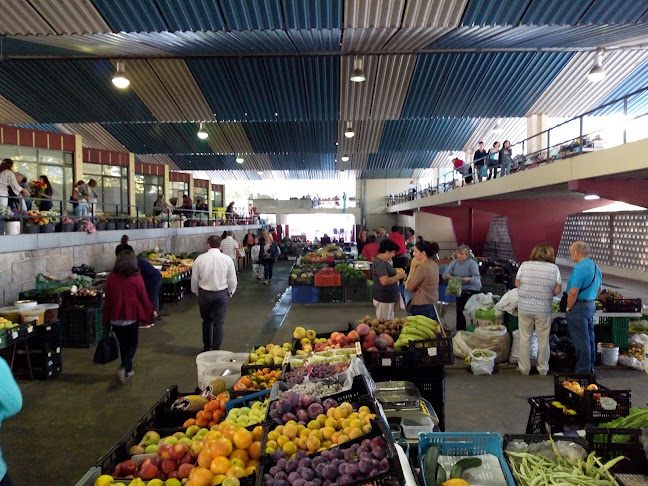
432, 351
358, 348
30, 329
14, 335
386, 361
48, 328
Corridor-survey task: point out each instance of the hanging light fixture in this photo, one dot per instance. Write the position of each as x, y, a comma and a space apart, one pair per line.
119, 79
202, 134
260, 172
349, 133
497, 128
358, 75
345, 158
597, 73
239, 159
591, 197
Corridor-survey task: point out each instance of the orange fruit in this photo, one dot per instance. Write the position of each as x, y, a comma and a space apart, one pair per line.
255, 449
219, 415
257, 433
236, 471
249, 470
219, 465
252, 463
218, 479
241, 454
201, 477
229, 430
221, 447
204, 458
242, 438
189, 423
212, 406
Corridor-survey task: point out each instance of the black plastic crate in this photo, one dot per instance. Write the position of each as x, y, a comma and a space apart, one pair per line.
42, 296
543, 416
42, 367
81, 327
429, 380
172, 292
354, 283
330, 295
430, 352
386, 358
562, 363
161, 414
357, 294
611, 443
68, 299
589, 406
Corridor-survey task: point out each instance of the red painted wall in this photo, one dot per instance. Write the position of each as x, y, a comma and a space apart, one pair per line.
470, 225
630, 191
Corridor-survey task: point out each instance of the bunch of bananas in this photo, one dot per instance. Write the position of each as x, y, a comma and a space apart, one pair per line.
416, 329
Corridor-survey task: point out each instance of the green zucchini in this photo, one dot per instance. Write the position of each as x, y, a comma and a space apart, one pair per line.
463, 465
441, 475
430, 462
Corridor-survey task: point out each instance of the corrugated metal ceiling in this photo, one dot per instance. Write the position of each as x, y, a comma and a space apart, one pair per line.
288, 112
93, 135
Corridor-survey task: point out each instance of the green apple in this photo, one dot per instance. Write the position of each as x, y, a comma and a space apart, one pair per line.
171, 440
257, 405
261, 361
234, 412
278, 360
287, 346
151, 437
196, 447
192, 430
185, 440
151, 449
179, 435
155, 482
261, 350
243, 421
201, 433
243, 411
268, 359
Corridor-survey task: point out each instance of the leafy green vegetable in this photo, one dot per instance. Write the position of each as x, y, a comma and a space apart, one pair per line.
637, 419
454, 286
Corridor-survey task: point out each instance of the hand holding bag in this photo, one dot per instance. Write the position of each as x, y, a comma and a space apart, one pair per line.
107, 348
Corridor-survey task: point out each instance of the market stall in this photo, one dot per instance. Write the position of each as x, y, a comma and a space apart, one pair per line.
345, 407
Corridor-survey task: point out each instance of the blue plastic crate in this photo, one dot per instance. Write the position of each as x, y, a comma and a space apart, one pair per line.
247, 400
445, 298
304, 294
466, 444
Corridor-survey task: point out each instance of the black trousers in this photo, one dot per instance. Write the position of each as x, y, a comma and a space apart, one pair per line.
213, 307
127, 338
461, 303
6, 480
268, 265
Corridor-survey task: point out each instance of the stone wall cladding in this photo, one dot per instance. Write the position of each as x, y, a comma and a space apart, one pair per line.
18, 269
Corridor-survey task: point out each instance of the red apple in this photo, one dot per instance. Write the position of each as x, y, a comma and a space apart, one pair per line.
128, 467
161, 475
148, 471
184, 471
164, 451
156, 461
178, 450
169, 465
173, 475
187, 459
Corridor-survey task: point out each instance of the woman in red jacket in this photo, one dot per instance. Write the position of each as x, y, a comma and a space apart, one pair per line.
126, 304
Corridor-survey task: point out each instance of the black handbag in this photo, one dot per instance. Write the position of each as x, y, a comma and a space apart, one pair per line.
563, 299
107, 349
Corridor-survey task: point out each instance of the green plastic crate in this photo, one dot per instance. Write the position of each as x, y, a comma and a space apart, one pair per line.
617, 330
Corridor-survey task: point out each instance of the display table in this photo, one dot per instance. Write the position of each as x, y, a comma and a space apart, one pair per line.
35, 351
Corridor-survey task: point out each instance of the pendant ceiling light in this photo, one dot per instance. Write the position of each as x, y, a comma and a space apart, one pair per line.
202, 134
597, 73
349, 133
497, 128
119, 79
239, 159
345, 158
357, 76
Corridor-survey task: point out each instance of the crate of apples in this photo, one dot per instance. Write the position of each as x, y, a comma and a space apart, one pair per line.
257, 380
308, 342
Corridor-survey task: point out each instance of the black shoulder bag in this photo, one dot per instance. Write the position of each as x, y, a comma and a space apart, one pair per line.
107, 348
563, 299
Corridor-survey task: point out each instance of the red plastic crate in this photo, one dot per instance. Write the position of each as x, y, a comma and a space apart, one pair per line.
329, 280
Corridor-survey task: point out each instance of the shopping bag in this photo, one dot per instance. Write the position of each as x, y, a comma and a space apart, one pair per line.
107, 349
257, 269
454, 286
508, 302
482, 361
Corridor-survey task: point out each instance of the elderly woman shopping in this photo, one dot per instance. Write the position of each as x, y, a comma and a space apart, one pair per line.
468, 271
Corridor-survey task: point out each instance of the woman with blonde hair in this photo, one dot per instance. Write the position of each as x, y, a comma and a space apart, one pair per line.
538, 281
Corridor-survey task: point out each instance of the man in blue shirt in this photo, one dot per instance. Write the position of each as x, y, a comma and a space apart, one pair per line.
582, 289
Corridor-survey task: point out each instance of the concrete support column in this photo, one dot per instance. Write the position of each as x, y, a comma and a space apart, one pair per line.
131, 184
536, 123
166, 183
77, 163
191, 186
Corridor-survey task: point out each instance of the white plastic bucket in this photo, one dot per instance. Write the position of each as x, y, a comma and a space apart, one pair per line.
12, 227
609, 354
208, 359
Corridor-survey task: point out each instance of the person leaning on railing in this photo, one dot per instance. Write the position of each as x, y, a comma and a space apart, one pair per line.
8, 180
480, 161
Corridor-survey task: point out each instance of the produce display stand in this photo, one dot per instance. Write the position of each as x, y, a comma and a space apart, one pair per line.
616, 325
34, 352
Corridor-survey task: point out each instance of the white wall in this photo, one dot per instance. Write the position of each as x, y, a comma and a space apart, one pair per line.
376, 210
405, 221
436, 228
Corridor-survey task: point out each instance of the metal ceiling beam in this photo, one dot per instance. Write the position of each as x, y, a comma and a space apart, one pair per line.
639, 47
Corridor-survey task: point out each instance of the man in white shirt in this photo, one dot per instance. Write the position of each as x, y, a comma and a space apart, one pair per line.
213, 278
229, 246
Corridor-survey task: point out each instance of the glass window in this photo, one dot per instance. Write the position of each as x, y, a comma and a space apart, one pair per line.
91, 169
147, 187
51, 157
17, 153
177, 189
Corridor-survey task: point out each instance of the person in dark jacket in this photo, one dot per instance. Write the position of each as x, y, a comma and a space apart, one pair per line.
123, 246
506, 158
153, 283
126, 304
480, 160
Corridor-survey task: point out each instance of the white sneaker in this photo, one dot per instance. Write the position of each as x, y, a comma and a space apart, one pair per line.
121, 375
130, 374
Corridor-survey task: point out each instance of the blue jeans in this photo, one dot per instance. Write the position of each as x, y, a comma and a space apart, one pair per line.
81, 210
426, 310
580, 322
506, 168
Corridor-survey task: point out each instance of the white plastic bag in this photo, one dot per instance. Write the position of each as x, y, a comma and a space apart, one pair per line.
515, 347
476, 301
229, 372
508, 302
631, 362
484, 364
257, 269
498, 341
